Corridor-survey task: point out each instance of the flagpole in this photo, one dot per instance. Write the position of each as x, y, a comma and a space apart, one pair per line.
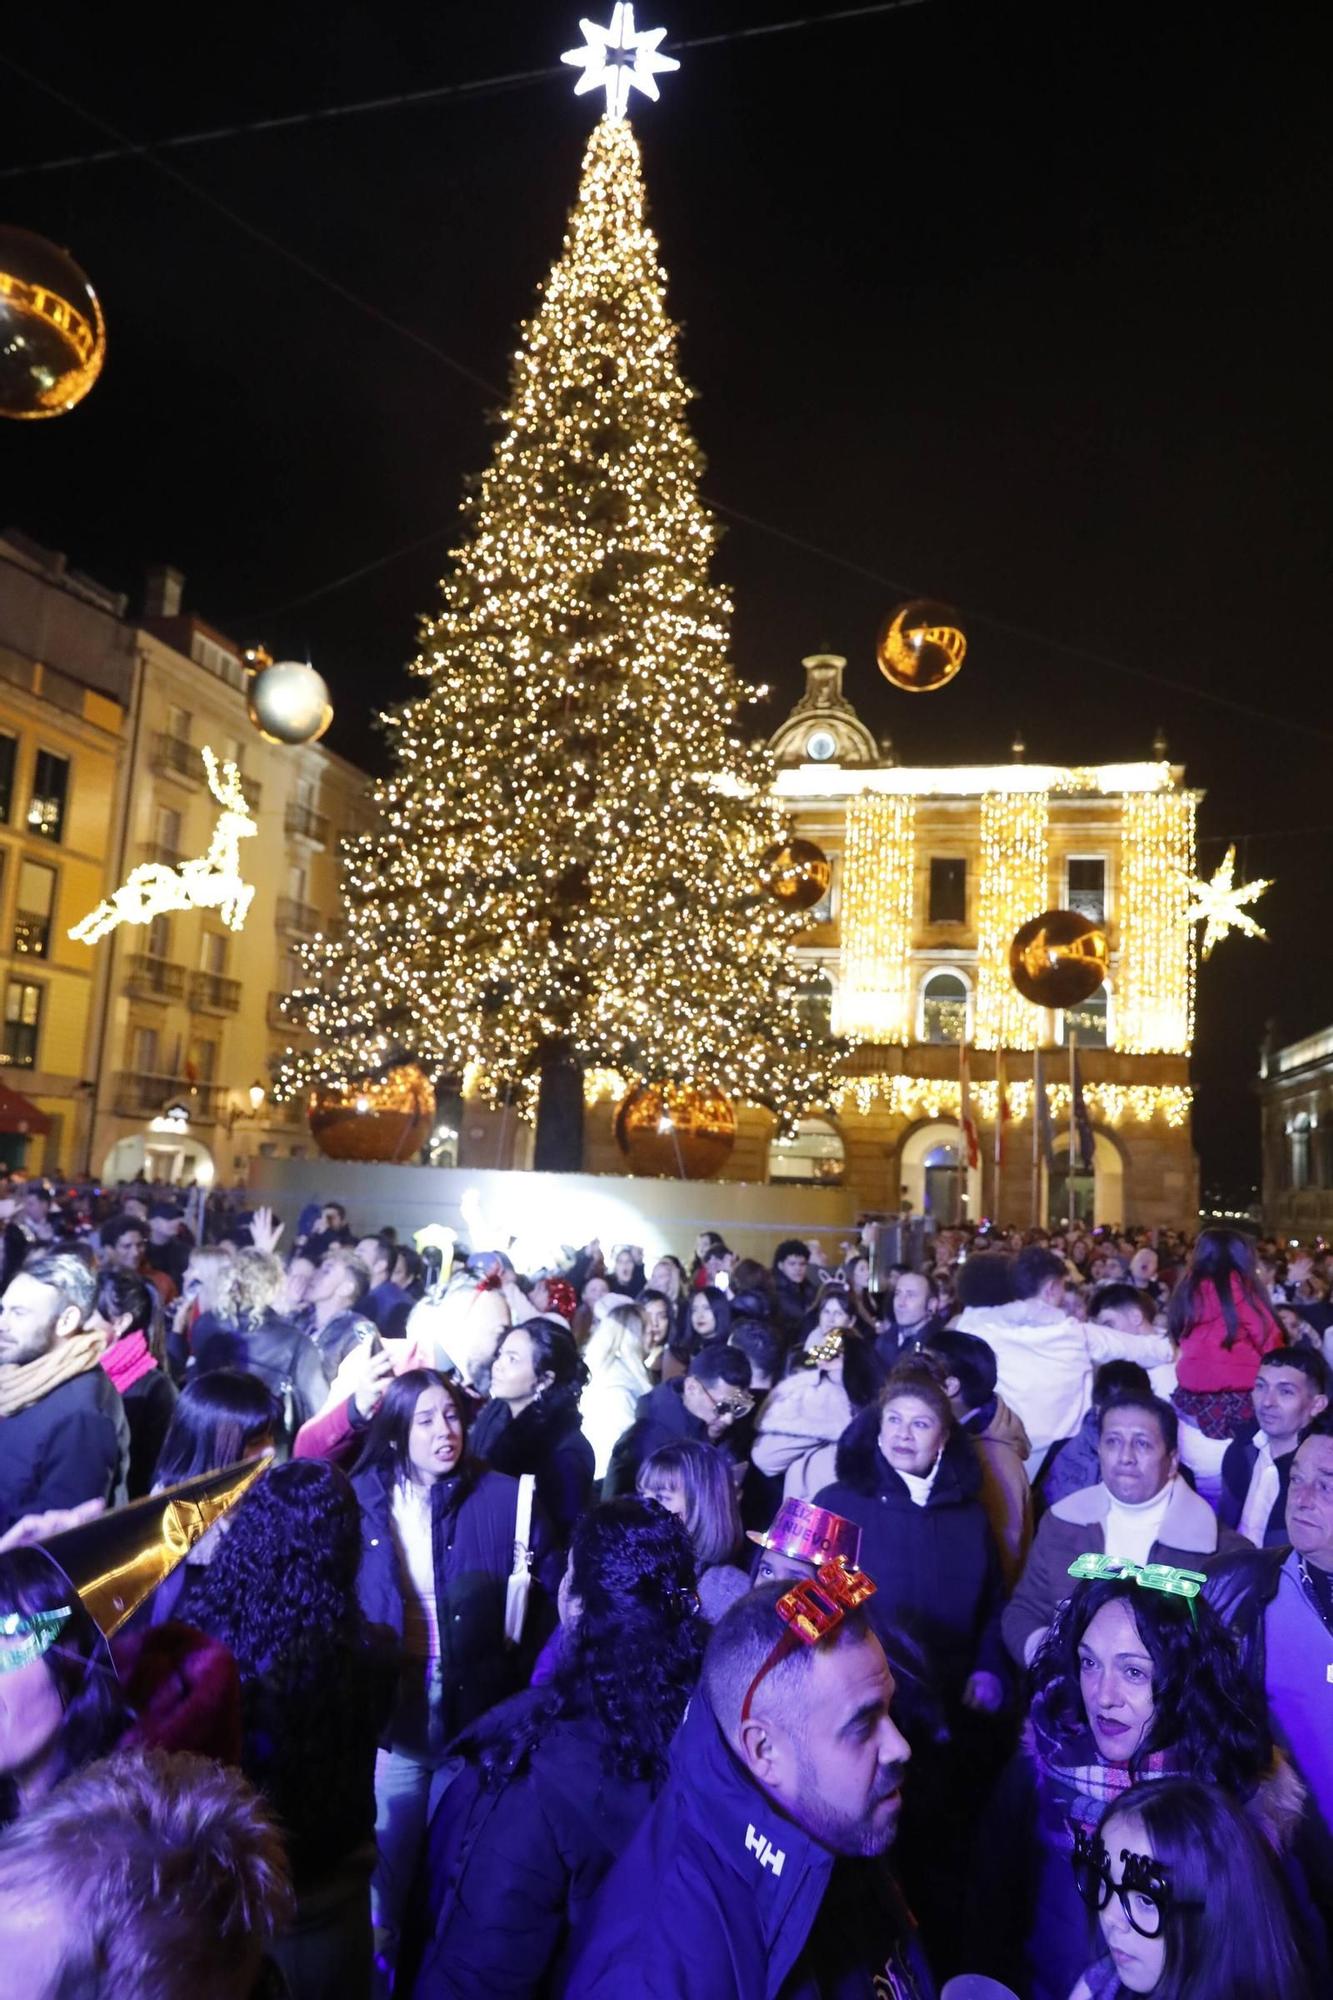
1038, 1099
1072, 1032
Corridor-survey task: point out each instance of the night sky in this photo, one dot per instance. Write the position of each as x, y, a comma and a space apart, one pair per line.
1023, 306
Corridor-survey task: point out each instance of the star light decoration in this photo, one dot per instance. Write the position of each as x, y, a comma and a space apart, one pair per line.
1218, 905
617, 60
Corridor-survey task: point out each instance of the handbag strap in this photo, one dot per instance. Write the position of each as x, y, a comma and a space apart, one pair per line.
523, 1513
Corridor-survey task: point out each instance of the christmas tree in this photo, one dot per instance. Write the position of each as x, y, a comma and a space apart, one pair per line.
567, 867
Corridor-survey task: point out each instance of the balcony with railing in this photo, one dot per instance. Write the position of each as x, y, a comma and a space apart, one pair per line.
300, 919
176, 757
210, 993
143, 1095
149, 978
302, 822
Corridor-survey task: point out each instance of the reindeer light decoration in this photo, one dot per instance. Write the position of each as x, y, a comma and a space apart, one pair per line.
212, 882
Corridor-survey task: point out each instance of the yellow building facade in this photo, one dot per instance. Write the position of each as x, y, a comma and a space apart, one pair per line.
934, 869
61, 746
174, 1020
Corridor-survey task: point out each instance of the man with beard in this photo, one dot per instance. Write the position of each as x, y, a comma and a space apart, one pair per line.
761, 1867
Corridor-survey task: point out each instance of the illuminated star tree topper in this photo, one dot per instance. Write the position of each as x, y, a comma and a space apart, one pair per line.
617, 60
1219, 905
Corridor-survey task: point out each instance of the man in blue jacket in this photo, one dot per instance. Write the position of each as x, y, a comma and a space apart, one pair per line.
760, 1871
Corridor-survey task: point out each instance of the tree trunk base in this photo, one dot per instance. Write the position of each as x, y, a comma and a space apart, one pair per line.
559, 1146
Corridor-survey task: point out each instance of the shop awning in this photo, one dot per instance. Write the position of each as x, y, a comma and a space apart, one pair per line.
19, 1114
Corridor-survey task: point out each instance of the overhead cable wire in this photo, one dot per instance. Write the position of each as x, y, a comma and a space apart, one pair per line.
478, 87
1069, 650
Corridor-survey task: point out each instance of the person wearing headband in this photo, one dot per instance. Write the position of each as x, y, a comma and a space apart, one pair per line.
762, 1866
1137, 1682
1186, 1900
833, 1376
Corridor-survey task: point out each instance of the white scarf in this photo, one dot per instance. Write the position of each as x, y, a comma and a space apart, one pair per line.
919, 1484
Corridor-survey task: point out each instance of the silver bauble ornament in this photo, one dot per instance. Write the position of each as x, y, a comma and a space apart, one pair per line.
289, 702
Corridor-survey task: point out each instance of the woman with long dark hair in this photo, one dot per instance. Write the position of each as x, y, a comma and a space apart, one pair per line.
703, 1314
60, 1701
129, 1312
1187, 1902
438, 1539
1224, 1325
281, 1595
1131, 1686
219, 1419
557, 1780
531, 1424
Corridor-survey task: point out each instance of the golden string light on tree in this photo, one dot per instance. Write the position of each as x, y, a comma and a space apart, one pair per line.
564, 870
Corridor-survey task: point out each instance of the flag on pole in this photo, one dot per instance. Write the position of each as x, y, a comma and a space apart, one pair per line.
1041, 1111
1087, 1138
1002, 1112
971, 1139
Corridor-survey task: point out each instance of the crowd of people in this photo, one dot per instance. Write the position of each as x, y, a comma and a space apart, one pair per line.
818, 1626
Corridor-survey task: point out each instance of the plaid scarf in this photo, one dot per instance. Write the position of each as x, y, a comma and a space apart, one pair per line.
1075, 1784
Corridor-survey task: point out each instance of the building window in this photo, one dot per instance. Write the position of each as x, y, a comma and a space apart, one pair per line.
1086, 891
8, 754
1300, 1150
1089, 1021
822, 913
203, 1062
213, 953
943, 1008
178, 723
814, 1003
168, 836
50, 788
32, 916
948, 890
144, 1061
159, 937
23, 1023
813, 1153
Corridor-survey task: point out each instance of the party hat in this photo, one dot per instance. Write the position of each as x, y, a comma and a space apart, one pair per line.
117, 1560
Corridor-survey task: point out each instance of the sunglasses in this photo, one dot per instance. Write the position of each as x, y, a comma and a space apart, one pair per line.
739, 1406
813, 1609
1143, 1891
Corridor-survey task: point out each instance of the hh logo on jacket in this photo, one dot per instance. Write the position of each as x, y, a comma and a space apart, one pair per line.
769, 1856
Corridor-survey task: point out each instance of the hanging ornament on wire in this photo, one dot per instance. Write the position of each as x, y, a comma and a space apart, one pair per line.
52, 334
288, 701
1058, 959
921, 647
797, 872
388, 1117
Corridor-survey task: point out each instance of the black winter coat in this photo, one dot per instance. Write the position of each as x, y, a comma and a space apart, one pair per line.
473, 1516
936, 1567
279, 1355
660, 1418
546, 1440
512, 1866
72, 1445
149, 1406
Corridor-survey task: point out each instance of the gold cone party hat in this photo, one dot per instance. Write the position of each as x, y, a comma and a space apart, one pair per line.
119, 1559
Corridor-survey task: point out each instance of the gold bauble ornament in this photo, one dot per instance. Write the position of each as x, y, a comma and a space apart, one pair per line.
677, 1131
797, 872
288, 701
52, 334
377, 1118
1059, 959
921, 647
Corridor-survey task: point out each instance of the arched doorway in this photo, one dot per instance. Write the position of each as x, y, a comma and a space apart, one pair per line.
933, 1177
172, 1159
814, 1154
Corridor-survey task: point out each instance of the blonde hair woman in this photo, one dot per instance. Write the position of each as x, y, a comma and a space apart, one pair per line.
248, 1333
617, 1377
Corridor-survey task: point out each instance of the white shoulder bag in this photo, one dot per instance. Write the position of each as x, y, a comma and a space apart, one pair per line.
520, 1577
